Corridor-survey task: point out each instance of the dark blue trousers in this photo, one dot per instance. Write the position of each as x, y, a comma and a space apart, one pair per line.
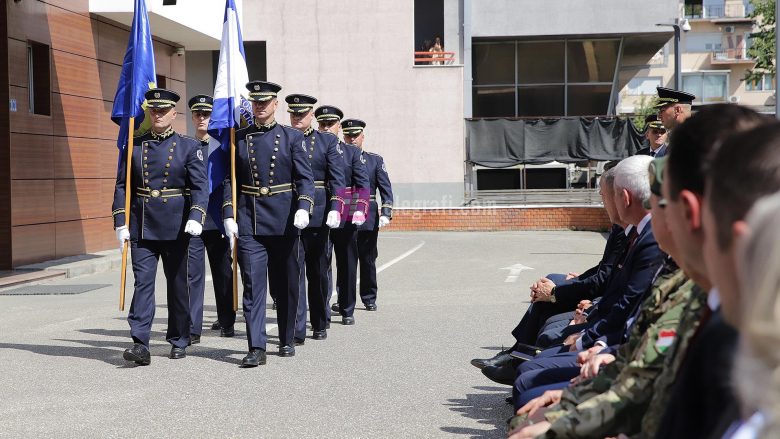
213, 243
367, 253
551, 366
315, 249
345, 247
530, 326
145, 255
536, 392
272, 261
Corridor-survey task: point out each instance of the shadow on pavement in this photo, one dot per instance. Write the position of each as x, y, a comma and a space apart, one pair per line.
489, 409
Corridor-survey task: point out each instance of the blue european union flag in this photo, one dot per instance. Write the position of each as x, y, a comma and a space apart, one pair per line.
138, 75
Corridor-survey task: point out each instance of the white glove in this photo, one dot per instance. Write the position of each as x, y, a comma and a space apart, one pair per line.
383, 221
301, 219
334, 219
122, 235
358, 218
231, 232
193, 227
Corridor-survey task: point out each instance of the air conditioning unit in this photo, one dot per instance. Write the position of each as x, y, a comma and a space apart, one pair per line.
734, 99
729, 29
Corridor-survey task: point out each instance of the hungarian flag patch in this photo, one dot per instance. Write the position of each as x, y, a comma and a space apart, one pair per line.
665, 339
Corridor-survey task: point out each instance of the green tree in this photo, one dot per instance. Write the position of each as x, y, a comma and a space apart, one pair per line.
645, 108
763, 40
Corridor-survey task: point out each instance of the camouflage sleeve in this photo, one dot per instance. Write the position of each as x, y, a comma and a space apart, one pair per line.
621, 408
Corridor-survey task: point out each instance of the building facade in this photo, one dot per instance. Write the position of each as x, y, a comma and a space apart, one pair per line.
714, 60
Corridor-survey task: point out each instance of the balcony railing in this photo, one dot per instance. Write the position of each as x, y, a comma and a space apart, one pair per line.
434, 58
717, 11
731, 56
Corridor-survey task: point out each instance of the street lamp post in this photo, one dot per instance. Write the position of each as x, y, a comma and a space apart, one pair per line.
679, 27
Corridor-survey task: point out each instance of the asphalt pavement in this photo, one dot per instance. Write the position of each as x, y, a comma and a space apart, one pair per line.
444, 298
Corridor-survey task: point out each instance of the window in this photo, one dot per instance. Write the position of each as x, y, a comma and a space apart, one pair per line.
256, 65
39, 78
543, 78
643, 86
703, 42
707, 86
428, 25
766, 83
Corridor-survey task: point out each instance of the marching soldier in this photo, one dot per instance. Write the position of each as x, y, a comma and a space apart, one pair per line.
211, 241
344, 238
367, 233
164, 166
327, 163
275, 196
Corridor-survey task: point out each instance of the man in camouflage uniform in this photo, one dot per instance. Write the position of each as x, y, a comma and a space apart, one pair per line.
616, 399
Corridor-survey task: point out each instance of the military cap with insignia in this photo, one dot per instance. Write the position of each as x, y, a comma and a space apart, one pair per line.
328, 112
299, 103
161, 98
352, 127
201, 103
652, 121
262, 91
668, 96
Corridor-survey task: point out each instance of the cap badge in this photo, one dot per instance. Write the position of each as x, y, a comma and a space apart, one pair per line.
257, 87
349, 124
325, 111
157, 95
296, 100
203, 99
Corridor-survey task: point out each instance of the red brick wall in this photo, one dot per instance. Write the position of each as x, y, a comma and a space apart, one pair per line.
500, 218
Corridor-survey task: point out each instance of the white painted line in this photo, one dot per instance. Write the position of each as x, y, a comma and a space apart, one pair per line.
396, 260
514, 271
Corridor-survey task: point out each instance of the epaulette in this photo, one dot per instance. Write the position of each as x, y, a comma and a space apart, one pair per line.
372, 153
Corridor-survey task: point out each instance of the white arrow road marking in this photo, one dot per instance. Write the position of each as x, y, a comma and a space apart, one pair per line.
514, 271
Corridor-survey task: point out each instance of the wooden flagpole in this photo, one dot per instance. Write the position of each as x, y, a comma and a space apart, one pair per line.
128, 190
235, 217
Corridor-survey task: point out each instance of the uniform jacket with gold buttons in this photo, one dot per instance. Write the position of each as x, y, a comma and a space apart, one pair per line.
168, 187
378, 179
356, 178
327, 166
273, 178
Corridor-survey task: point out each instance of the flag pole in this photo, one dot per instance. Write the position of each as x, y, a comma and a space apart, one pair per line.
235, 209
128, 190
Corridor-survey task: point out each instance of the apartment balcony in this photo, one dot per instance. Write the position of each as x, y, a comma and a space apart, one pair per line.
724, 13
730, 57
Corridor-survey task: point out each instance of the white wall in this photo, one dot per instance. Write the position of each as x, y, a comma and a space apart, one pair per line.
200, 80
358, 55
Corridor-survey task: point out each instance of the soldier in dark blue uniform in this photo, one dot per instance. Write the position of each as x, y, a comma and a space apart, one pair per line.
165, 165
327, 165
275, 196
368, 233
344, 238
211, 241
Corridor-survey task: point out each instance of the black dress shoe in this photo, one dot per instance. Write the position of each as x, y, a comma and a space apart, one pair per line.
299, 341
335, 307
177, 353
347, 320
497, 360
504, 374
215, 326
320, 335
254, 358
227, 332
273, 306
509, 400
194, 339
371, 307
138, 354
287, 351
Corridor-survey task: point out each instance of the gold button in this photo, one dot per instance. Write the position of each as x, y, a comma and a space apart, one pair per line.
273, 157
170, 150
170, 157
276, 149
311, 149
257, 183
278, 135
145, 151
164, 188
166, 173
310, 156
270, 181
276, 142
255, 175
145, 165
254, 166
165, 200
146, 144
253, 159
251, 151
174, 143
272, 165
146, 181
271, 173
145, 158
165, 180
250, 137
167, 165
146, 200
251, 144
146, 173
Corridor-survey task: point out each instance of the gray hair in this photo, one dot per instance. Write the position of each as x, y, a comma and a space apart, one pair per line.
757, 367
631, 175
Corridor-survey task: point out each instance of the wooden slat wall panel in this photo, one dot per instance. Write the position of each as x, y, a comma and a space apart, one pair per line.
32, 202
33, 157
33, 243
83, 236
17, 59
112, 43
84, 158
28, 21
109, 78
75, 75
22, 121
6, 256
74, 32
77, 6
79, 199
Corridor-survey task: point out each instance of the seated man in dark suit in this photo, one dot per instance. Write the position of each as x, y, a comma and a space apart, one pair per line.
550, 299
632, 277
655, 133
